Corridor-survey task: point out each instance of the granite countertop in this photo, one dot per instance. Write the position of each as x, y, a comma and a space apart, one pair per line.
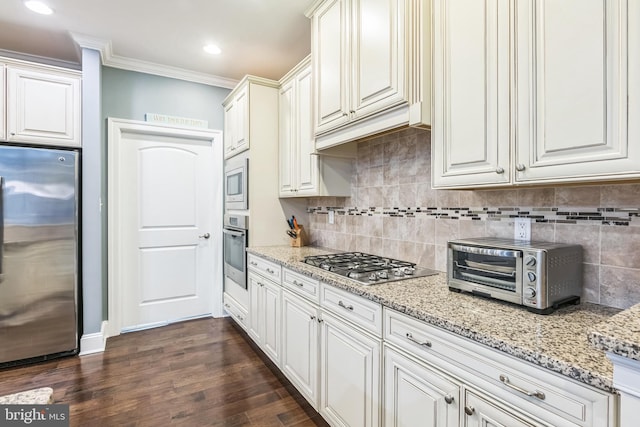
620, 334
558, 341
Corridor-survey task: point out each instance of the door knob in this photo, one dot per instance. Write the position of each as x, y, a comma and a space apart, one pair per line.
205, 236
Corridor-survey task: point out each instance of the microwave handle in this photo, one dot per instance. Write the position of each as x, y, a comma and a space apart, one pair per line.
485, 251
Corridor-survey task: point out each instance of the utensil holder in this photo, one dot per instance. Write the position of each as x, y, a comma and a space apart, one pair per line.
301, 238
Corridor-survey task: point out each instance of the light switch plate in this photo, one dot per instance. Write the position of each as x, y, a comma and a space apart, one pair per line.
332, 217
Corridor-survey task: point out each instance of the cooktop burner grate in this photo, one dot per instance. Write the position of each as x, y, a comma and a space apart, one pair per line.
366, 268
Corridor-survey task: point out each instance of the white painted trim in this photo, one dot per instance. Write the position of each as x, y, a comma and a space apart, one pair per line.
110, 59
94, 343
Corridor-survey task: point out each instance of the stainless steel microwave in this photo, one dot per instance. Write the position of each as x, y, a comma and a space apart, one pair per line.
236, 183
538, 275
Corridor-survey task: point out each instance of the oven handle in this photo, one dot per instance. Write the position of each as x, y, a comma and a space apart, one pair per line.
485, 251
233, 233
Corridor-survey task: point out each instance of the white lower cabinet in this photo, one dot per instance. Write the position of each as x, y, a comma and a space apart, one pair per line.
416, 395
264, 315
349, 374
300, 345
480, 412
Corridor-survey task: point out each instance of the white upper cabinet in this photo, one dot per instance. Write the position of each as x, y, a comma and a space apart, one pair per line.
365, 56
303, 173
471, 92
42, 105
531, 92
247, 112
573, 90
236, 120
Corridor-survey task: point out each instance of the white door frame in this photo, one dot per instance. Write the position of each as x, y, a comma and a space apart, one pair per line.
116, 128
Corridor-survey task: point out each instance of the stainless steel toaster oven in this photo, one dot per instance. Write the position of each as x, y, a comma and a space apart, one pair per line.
538, 275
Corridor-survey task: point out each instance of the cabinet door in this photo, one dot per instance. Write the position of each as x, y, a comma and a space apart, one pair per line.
307, 161
255, 324
271, 320
471, 75
573, 90
241, 131
287, 143
229, 129
415, 395
479, 412
330, 56
300, 345
379, 45
350, 375
43, 107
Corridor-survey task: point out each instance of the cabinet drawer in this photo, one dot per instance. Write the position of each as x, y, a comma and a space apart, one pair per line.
364, 313
555, 398
266, 268
301, 285
236, 311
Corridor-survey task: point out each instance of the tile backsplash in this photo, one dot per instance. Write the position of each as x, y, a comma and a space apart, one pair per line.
393, 211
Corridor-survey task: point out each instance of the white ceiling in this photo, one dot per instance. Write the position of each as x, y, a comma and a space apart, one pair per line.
265, 38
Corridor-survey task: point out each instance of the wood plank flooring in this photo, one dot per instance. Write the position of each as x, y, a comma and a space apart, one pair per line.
198, 373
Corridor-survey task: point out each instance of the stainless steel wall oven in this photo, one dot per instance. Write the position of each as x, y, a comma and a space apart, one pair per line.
234, 247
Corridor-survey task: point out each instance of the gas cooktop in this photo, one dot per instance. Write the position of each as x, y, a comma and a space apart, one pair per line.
368, 269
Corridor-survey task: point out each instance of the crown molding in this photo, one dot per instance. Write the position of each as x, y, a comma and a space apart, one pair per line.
110, 59
40, 59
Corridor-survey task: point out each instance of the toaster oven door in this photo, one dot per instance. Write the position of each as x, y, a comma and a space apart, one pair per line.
489, 272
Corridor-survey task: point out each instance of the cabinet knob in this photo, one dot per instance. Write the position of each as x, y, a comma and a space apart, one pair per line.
205, 236
499, 170
13, 134
449, 399
469, 410
520, 167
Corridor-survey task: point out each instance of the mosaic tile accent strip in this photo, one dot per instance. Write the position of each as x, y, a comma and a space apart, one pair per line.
563, 215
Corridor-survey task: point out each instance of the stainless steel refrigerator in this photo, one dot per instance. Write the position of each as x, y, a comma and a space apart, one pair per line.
39, 190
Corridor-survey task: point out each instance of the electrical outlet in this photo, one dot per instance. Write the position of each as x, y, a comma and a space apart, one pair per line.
332, 217
522, 229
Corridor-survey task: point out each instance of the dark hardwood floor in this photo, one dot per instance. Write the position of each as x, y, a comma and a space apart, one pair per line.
197, 373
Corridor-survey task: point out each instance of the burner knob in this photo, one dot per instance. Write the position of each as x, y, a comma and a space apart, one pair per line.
398, 272
409, 271
383, 274
373, 277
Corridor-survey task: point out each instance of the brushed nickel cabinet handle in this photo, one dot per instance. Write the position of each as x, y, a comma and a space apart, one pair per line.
348, 307
536, 393
412, 339
295, 282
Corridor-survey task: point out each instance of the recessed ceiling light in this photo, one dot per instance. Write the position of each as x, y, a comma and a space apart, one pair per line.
212, 49
38, 7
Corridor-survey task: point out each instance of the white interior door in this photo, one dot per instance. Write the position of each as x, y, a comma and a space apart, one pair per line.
164, 199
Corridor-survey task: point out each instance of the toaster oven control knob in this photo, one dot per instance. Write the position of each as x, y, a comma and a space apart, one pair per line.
530, 261
532, 276
530, 293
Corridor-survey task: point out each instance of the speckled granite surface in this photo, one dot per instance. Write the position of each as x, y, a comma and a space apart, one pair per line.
38, 396
558, 342
620, 334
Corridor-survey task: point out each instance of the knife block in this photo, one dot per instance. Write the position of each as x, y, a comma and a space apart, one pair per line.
301, 238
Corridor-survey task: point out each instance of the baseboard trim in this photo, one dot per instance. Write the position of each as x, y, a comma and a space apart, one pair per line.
94, 343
